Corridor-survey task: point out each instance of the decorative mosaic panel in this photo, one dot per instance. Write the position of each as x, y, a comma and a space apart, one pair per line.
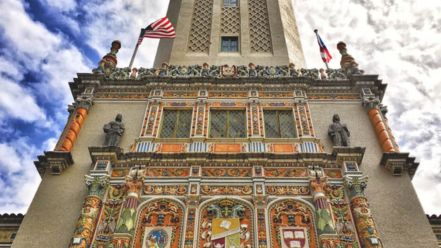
110, 214
226, 172
230, 20
291, 218
226, 190
342, 215
260, 34
167, 172
287, 190
165, 189
160, 225
226, 223
285, 172
200, 32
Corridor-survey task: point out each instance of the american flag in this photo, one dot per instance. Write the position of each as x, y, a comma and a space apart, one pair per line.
324, 52
161, 28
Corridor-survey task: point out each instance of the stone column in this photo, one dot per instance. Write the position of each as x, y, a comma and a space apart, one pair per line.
125, 228
260, 203
86, 225
192, 204
366, 230
78, 115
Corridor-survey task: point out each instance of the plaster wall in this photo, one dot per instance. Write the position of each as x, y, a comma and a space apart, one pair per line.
284, 36
52, 216
396, 209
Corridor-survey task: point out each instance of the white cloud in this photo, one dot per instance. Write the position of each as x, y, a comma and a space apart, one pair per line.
33, 47
18, 103
20, 179
122, 20
400, 42
61, 5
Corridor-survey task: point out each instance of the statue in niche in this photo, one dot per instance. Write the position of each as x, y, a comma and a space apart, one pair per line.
338, 132
114, 130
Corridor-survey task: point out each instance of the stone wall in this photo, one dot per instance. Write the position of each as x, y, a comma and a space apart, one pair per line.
51, 218
395, 206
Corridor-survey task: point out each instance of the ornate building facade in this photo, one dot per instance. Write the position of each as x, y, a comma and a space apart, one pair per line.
9, 225
435, 222
227, 142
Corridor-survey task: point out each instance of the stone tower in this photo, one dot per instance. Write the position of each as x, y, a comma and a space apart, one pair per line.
227, 142
232, 32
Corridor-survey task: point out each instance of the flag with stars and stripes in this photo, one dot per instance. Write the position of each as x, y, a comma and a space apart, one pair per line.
161, 28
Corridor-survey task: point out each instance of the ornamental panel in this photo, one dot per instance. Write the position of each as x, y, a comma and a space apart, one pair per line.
260, 34
292, 225
160, 224
200, 32
230, 20
226, 223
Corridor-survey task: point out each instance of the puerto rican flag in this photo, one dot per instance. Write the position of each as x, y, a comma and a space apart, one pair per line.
324, 52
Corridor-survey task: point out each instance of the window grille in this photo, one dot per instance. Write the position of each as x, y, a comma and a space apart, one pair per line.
279, 124
176, 124
230, 44
227, 124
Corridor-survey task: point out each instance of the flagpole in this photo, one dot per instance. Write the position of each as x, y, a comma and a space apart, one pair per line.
141, 34
133, 56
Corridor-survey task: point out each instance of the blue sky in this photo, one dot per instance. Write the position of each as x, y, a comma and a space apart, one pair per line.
44, 43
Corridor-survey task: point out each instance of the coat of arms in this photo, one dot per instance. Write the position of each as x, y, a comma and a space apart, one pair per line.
294, 237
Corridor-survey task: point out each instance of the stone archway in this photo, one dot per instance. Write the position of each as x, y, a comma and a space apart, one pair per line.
226, 222
160, 222
291, 224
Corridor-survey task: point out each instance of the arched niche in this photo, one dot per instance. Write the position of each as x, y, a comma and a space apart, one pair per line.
291, 224
225, 222
160, 222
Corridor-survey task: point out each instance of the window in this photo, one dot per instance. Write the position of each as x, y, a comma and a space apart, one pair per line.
230, 44
279, 124
101, 165
230, 3
176, 124
227, 124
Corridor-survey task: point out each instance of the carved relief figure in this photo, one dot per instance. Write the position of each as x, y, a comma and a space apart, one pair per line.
338, 132
114, 130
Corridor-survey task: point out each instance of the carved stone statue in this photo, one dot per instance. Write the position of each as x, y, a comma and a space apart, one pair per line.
114, 130
338, 132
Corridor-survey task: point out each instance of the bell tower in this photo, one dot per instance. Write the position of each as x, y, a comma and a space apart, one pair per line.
237, 32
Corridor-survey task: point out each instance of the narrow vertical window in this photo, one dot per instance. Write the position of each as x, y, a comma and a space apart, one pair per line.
230, 3
279, 124
176, 124
230, 44
227, 124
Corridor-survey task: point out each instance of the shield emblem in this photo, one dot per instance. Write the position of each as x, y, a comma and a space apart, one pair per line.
225, 233
294, 237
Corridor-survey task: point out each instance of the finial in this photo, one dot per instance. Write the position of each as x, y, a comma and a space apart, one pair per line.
315, 31
108, 63
347, 62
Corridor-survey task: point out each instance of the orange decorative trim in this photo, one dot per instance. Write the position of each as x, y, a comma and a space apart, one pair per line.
384, 138
227, 148
284, 148
172, 148
73, 130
